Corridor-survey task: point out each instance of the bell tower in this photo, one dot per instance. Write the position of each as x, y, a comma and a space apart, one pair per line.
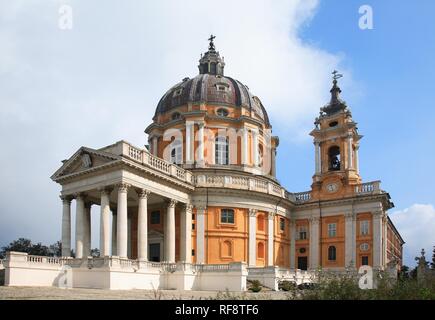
336, 142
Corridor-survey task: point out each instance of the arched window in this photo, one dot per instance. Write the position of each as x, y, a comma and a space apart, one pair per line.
334, 158
260, 155
221, 150
260, 250
260, 222
175, 116
227, 249
177, 152
332, 253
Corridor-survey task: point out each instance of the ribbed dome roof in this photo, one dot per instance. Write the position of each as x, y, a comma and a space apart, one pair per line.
207, 88
211, 87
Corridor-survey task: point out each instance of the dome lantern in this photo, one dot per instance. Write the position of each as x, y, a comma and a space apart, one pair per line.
211, 62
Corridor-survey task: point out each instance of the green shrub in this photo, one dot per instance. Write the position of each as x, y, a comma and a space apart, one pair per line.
255, 286
2, 277
287, 285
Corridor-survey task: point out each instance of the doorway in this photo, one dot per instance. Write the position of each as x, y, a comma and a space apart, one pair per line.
154, 251
303, 263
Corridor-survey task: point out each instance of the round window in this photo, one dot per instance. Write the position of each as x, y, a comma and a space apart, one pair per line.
222, 112
333, 124
302, 250
364, 246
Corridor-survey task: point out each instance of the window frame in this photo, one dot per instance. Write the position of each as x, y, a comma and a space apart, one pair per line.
222, 150
332, 232
302, 230
364, 227
281, 224
227, 216
152, 215
176, 152
332, 253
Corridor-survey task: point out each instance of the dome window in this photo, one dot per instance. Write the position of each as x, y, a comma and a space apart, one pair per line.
333, 124
178, 92
222, 112
175, 116
223, 87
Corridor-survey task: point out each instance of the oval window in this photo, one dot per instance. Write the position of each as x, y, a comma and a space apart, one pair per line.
222, 112
176, 116
333, 124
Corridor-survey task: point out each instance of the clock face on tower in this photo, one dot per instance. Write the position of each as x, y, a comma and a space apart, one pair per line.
331, 187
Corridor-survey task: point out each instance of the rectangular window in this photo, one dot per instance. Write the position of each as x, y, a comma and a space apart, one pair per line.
332, 230
282, 224
364, 227
303, 233
155, 217
193, 252
365, 260
227, 216
193, 226
193, 216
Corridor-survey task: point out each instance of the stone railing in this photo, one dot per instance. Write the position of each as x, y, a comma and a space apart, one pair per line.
144, 157
239, 182
368, 188
300, 197
212, 267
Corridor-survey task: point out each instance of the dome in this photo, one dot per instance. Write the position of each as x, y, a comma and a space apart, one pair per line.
212, 87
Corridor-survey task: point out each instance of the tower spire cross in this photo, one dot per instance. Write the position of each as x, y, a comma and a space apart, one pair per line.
211, 45
336, 75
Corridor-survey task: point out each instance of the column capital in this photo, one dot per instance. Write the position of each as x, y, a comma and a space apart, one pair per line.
349, 215
201, 125
271, 215
123, 187
105, 190
80, 196
66, 199
379, 214
188, 207
253, 212
200, 209
315, 220
171, 203
143, 193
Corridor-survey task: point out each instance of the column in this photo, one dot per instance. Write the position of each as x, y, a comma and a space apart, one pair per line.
170, 232
122, 227
201, 143
189, 142
200, 234
186, 234
80, 213
349, 243
377, 238
273, 162
317, 156
105, 223
87, 230
349, 151
155, 146
314, 242
270, 238
356, 158
66, 226
252, 259
292, 243
142, 225
255, 147
114, 232
245, 146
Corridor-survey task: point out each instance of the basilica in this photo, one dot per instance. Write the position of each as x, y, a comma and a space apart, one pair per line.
200, 206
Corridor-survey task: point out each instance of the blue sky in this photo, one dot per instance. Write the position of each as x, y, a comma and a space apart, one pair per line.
100, 82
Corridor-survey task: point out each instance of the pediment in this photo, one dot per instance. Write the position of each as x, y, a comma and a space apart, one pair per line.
83, 160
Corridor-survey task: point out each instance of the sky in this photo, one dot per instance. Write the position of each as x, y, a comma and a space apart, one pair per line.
100, 80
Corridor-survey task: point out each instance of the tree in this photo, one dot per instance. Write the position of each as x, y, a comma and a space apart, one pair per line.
432, 264
55, 250
20, 245
404, 272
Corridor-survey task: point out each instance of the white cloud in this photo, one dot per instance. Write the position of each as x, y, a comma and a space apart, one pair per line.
100, 82
416, 225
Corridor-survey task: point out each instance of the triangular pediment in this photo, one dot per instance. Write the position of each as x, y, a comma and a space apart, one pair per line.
83, 160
